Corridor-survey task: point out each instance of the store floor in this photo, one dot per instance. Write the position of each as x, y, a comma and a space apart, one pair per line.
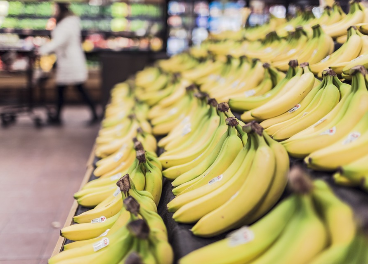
40, 169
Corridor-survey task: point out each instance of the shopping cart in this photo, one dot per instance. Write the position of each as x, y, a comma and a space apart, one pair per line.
35, 78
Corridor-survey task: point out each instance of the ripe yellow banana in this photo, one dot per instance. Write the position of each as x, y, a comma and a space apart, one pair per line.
286, 101
252, 190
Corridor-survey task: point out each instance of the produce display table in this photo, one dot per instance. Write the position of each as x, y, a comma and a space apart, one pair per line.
180, 236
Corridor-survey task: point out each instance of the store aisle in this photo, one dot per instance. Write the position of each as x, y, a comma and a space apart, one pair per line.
39, 172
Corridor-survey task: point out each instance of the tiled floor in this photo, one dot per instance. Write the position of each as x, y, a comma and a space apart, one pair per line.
40, 169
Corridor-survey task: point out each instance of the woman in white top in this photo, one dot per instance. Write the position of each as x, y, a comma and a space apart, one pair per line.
71, 68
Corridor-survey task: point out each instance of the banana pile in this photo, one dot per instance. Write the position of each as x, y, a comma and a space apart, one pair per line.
311, 226
244, 165
145, 171
317, 102
136, 233
333, 132
226, 173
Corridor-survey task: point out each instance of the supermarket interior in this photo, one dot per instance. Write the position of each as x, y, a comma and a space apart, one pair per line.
184, 131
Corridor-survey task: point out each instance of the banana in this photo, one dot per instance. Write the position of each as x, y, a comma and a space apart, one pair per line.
94, 196
89, 252
193, 205
121, 222
335, 214
329, 98
283, 103
304, 237
356, 170
89, 230
226, 156
244, 103
109, 163
295, 110
249, 81
153, 181
351, 146
347, 52
246, 244
278, 183
339, 125
201, 135
216, 142
252, 190
209, 160
177, 159
355, 16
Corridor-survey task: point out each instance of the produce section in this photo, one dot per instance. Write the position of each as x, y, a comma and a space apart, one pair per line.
239, 150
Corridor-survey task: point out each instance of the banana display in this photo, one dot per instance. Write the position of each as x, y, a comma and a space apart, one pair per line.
312, 226
243, 166
297, 96
136, 233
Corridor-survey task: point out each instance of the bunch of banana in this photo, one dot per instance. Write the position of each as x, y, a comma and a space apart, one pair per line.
178, 63
145, 172
362, 59
210, 197
318, 103
147, 76
232, 70
303, 228
271, 46
258, 32
211, 140
247, 89
346, 150
295, 44
247, 103
173, 111
337, 124
256, 79
210, 67
355, 16
212, 165
185, 142
292, 93
314, 50
123, 157
120, 126
347, 52
135, 230
303, 17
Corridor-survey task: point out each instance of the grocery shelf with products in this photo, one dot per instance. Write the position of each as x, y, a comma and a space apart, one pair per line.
247, 133
119, 25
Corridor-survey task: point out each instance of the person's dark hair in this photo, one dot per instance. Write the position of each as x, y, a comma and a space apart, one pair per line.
64, 11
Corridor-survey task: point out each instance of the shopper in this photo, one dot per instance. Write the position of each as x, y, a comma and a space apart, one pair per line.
71, 66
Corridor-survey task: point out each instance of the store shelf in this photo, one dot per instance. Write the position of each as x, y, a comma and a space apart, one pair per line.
30, 32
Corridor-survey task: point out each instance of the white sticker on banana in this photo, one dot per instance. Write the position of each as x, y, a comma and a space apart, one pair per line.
296, 107
100, 219
104, 233
101, 244
351, 137
329, 132
241, 236
216, 179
